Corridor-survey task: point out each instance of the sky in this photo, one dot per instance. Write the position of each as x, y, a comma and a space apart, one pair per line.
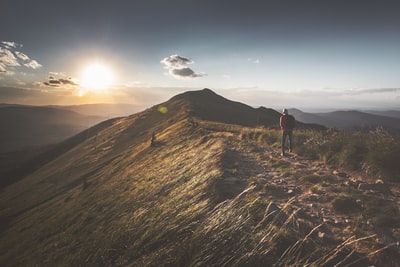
325, 54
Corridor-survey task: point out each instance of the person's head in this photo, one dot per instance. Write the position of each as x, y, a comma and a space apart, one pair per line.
285, 111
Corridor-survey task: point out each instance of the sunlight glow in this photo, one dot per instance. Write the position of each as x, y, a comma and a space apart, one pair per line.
97, 77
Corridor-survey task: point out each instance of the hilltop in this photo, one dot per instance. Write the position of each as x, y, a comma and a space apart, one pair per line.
210, 190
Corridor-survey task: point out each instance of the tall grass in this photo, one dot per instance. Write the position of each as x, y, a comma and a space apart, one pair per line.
249, 231
161, 206
375, 152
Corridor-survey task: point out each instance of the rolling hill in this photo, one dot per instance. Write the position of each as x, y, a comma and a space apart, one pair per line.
180, 184
103, 110
348, 119
29, 126
387, 113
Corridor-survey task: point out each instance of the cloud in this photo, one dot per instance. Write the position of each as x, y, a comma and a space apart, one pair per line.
2, 69
7, 58
185, 73
252, 60
10, 44
21, 56
176, 61
177, 66
10, 58
33, 64
57, 82
373, 91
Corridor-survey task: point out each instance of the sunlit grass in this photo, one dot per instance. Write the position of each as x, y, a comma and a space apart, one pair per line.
374, 153
194, 199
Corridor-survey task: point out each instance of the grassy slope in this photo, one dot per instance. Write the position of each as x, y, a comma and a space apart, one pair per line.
201, 196
85, 205
192, 199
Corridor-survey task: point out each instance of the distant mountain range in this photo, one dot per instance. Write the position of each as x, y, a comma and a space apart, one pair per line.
33, 126
104, 110
351, 119
388, 113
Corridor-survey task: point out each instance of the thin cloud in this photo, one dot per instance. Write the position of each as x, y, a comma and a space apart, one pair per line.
252, 60
374, 91
2, 69
10, 58
33, 64
10, 44
331, 92
21, 56
177, 67
7, 58
58, 82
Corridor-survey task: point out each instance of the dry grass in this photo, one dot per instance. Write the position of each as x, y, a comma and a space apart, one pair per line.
192, 199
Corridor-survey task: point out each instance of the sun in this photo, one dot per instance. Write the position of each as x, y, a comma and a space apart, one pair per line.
97, 77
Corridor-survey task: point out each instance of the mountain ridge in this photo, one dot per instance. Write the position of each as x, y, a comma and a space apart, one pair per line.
348, 119
207, 105
200, 193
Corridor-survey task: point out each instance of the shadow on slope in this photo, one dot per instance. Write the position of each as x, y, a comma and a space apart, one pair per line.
39, 159
29, 126
108, 198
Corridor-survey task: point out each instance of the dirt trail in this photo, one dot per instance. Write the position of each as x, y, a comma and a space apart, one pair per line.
313, 186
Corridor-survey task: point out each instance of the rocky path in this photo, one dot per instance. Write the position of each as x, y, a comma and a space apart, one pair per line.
344, 204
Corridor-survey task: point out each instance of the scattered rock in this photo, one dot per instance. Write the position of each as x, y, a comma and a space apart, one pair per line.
396, 233
321, 235
314, 197
352, 182
381, 188
340, 174
338, 221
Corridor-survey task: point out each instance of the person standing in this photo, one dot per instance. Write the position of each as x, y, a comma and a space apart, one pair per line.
287, 124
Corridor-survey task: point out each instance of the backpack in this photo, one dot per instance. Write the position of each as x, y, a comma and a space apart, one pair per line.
290, 122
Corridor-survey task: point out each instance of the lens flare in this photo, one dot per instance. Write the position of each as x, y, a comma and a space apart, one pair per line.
163, 109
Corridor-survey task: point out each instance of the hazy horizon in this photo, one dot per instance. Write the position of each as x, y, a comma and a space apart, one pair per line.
311, 55
143, 106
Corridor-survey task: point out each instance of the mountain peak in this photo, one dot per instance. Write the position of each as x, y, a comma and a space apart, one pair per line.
196, 94
207, 105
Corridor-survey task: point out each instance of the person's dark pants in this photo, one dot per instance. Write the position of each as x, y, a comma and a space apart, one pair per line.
285, 135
